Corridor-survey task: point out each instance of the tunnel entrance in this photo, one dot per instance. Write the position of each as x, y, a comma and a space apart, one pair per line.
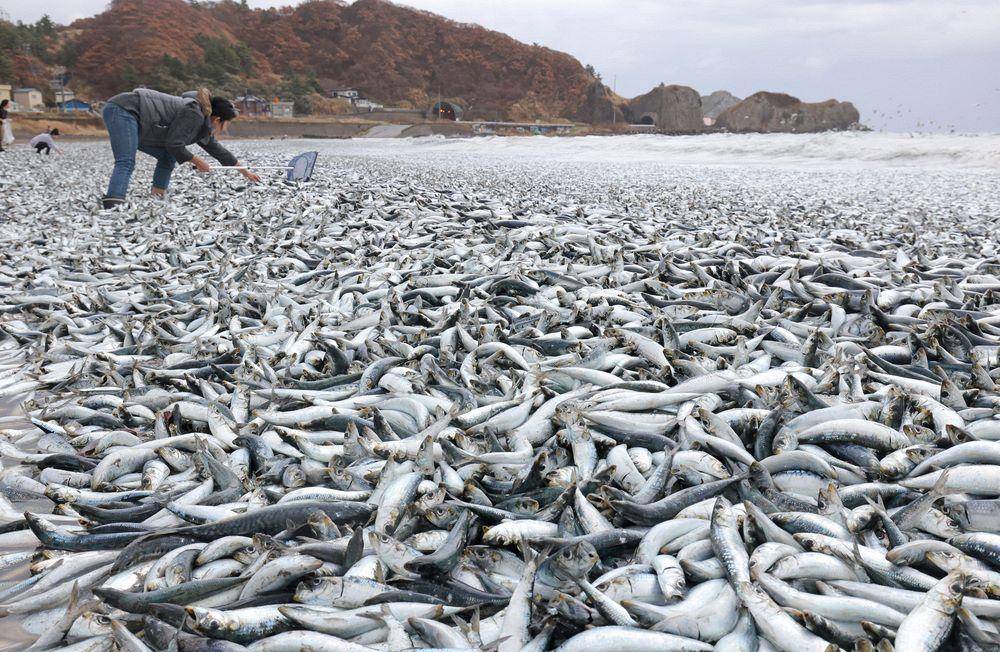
446, 111
647, 120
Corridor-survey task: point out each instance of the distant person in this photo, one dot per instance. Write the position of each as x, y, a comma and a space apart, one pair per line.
6, 132
45, 142
162, 126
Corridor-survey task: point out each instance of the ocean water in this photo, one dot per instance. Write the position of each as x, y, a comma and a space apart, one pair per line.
844, 149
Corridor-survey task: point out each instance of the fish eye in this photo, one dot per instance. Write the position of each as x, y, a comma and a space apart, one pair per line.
956, 587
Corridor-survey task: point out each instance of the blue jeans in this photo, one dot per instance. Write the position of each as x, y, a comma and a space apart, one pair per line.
123, 129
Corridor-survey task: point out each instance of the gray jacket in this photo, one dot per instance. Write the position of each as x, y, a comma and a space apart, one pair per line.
174, 122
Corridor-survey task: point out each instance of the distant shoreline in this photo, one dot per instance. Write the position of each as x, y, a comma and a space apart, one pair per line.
91, 127
339, 127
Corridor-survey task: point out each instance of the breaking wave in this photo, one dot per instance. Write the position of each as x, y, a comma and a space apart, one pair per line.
836, 149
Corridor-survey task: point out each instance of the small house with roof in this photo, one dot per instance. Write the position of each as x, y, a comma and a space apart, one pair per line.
74, 106
345, 93
252, 105
28, 98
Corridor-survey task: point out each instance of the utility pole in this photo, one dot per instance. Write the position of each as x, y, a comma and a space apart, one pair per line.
614, 91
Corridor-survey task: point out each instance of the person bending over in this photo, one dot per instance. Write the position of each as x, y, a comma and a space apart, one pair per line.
45, 142
163, 126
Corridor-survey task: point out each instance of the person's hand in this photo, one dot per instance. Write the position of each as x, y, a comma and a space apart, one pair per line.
252, 176
200, 164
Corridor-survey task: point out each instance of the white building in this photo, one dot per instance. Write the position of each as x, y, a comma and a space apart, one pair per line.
366, 105
345, 93
28, 98
64, 95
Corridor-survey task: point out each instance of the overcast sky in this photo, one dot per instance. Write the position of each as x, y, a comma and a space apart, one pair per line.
906, 64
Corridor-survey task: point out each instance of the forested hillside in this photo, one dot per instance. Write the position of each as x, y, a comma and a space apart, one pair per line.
393, 54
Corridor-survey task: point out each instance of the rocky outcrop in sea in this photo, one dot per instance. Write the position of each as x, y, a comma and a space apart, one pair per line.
778, 112
715, 103
673, 108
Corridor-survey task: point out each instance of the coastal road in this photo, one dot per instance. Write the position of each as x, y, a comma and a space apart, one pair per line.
386, 131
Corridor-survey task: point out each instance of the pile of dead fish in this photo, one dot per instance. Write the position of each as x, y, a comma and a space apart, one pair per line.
392, 416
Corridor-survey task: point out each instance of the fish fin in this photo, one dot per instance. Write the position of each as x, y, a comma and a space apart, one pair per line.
176, 642
971, 624
474, 624
856, 552
939, 486
879, 506
494, 645
355, 548
673, 624
461, 624
858, 561
456, 453
881, 503
74, 597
